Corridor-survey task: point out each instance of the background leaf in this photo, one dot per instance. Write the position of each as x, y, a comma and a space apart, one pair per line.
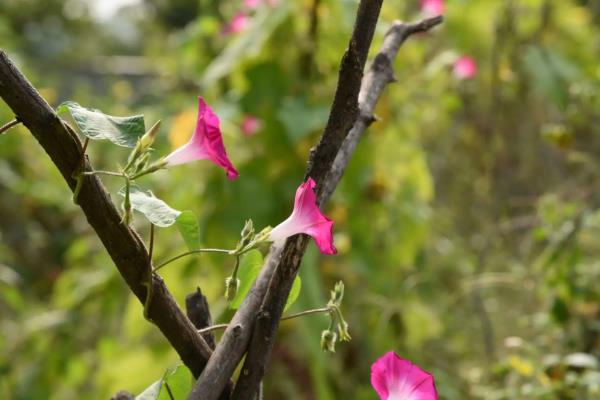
122, 131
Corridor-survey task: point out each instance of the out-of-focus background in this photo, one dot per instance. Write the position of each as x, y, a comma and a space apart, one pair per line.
468, 223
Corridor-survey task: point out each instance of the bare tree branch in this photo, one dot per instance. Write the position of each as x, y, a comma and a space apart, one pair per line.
198, 312
377, 77
122, 243
282, 266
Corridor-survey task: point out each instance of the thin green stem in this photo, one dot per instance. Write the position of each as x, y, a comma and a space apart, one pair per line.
236, 267
109, 173
189, 253
291, 316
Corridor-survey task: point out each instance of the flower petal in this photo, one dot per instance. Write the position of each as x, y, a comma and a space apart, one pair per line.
465, 68
394, 378
432, 7
307, 218
206, 143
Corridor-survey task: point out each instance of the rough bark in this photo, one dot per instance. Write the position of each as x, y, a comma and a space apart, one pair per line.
278, 274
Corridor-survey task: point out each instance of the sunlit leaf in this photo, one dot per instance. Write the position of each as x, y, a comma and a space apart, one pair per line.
157, 211
122, 131
248, 271
187, 223
294, 293
179, 383
174, 385
151, 392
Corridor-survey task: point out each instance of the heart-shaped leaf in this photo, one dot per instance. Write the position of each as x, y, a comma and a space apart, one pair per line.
122, 131
294, 293
248, 270
157, 211
175, 384
187, 223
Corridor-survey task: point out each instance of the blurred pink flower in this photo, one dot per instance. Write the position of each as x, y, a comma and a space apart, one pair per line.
307, 218
238, 23
394, 378
250, 125
465, 68
206, 143
251, 4
433, 7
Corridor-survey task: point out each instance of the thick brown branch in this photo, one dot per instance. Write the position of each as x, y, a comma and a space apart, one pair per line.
377, 77
278, 274
263, 337
123, 245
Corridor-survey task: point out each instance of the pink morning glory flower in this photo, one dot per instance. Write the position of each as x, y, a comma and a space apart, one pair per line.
206, 143
252, 3
395, 378
307, 218
465, 68
238, 23
250, 125
432, 7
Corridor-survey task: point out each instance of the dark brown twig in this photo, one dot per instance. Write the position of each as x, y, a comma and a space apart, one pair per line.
122, 243
379, 75
280, 270
198, 312
9, 125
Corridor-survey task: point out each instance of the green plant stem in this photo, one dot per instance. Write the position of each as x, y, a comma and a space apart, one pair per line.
109, 173
188, 253
291, 316
236, 267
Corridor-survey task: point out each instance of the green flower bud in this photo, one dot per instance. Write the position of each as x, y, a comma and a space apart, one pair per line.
328, 339
337, 294
148, 138
231, 287
343, 331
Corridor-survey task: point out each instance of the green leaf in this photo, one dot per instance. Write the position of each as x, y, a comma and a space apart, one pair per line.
249, 268
151, 392
300, 119
180, 384
153, 208
246, 45
179, 381
187, 223
294, 293
122, 131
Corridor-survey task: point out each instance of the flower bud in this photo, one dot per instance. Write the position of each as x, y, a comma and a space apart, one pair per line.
148, 138
337, 294
231, 287
328, 339
343, 331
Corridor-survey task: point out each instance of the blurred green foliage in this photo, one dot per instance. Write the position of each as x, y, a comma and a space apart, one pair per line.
466, 223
